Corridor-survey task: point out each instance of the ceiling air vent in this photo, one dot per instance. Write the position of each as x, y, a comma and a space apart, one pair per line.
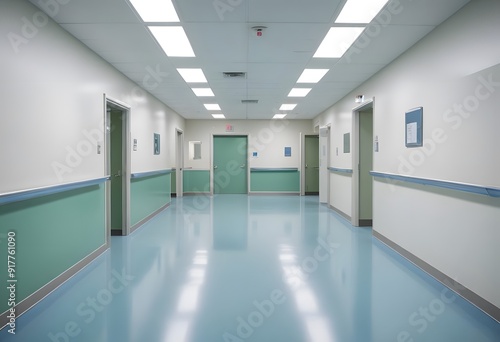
249, 101
234, 74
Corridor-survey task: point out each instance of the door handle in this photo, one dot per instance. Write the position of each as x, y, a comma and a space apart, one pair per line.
242, 166
118, 174
215, 166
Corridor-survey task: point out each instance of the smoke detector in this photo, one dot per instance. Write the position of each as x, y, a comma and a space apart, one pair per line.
259, 30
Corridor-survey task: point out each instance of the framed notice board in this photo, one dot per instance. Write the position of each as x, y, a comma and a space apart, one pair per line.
414, 127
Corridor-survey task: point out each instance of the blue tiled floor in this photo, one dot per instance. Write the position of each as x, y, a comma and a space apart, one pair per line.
258, 268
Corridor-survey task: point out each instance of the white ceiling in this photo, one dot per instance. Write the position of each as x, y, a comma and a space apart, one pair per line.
226, 42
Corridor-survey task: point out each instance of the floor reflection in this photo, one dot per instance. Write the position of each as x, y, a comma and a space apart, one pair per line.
252, 268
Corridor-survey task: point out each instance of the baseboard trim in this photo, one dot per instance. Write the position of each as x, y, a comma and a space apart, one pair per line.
30, 301
147, 218
205, 193
365, 222
272, 193
341, 213
472, 297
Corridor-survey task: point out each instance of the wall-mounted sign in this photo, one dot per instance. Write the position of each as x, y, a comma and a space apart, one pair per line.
413, 127
288, 151
156, 143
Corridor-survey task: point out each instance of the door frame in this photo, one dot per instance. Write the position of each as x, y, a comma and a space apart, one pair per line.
324, 163
212, 158
303, 161
355, 157
126, 162
179, 161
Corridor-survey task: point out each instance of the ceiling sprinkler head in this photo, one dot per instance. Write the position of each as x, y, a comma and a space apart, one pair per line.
259, 30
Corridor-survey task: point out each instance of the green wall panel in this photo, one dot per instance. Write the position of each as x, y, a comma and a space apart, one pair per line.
53, 233
283, 181
196, 180
173, 184
147, 195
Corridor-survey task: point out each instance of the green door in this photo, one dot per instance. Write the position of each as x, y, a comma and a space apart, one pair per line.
365, 166
230, 165
116, 155
312, 164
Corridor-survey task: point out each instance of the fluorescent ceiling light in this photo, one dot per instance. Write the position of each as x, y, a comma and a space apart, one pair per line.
155, 10
279, 116
289, 106
173, 40
360, 11
192, 75
218, 116
299, 92
212, 106
312, 75
337, 41
203, 91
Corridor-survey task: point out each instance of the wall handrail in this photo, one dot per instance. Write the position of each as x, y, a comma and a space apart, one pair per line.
22, 195
338, 169
458, 186
151, 173
274, 169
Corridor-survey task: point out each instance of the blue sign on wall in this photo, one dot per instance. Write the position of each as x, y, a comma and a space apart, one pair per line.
288, 151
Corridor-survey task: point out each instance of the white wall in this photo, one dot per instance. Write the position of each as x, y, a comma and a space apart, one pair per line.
454, 73
52, 106
267, 137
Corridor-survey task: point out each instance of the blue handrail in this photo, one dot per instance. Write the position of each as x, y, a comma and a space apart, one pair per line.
458, 186
23, 195
337, 169
270, 169
150, 173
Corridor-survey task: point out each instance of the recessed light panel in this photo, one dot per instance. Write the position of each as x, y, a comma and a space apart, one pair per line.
337, 41
279, 116
212, 106
218, 116
156, 10
288, 106
173, 40
312, 75
299, 92
203, 91
360, 11
191, 75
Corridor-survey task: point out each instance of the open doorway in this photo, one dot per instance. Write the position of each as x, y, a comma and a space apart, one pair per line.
362, 194
311, 156
117, 167
324, 163
177, 186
